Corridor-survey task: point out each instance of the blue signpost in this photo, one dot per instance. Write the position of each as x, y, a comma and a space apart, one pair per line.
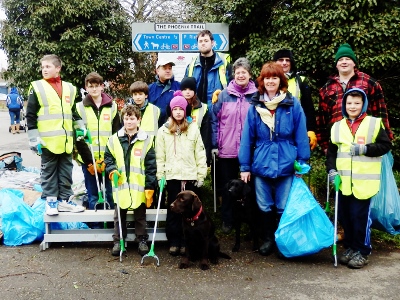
180, 37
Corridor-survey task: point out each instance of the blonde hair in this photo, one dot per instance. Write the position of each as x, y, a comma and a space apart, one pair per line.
173, 126
54, 59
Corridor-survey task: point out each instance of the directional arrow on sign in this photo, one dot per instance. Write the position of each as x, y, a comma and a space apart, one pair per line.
136, 42
220, 41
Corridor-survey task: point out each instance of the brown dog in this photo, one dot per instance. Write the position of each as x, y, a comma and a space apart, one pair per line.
199, 231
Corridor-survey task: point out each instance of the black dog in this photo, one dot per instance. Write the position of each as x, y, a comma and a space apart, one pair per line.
199, 231
245, 209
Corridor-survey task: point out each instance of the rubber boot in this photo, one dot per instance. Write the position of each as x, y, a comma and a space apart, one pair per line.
269, 225
278, 252
17, 128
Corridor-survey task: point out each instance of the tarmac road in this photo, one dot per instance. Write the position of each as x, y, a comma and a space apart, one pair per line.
88, 271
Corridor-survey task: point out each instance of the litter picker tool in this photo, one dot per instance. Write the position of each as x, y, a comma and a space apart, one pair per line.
336, 183
151, 252
121, 238
106, 205
327, 208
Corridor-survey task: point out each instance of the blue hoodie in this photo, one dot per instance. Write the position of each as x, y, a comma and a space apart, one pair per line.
14, 100
364, 98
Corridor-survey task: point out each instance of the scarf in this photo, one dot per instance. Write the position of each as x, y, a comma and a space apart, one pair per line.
267, 117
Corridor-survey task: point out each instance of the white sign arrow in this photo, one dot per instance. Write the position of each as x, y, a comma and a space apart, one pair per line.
136, 42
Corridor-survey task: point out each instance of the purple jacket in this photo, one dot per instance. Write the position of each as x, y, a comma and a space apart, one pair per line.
228, 116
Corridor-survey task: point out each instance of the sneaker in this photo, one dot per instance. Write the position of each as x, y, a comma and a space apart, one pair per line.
174, 250
346, 256
116, 249
182, 251
70, 206
358, 261
143, 248
226, 228
52, 207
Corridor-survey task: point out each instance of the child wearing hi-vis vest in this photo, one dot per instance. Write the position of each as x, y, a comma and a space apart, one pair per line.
357, 143
130, 154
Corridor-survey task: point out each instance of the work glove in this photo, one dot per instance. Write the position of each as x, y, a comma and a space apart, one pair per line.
215, 96
214, 151
81, 134
301, 168
332, 174
35, 142
358, 149
199, 183
100, 165
110, 176
313, 139
149, 197
91, 169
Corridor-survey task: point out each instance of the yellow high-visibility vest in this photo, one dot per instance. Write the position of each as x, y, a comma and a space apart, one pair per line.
360, 175
55, 116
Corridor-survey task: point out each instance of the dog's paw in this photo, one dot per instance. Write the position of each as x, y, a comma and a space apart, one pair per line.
183, 266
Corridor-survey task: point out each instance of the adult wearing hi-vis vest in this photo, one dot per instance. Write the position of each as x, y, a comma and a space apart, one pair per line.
357, 143
210, 69
51, 118
299, 88
100, 116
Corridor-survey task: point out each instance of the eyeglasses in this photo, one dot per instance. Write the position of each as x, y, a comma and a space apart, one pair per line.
284, 59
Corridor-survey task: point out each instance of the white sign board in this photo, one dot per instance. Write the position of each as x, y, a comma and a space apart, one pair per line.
181, 61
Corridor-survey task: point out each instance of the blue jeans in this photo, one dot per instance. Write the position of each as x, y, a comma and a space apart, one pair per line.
14, 116
272, 192
91, 188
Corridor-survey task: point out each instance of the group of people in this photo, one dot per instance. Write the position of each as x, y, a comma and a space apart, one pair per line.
256, 129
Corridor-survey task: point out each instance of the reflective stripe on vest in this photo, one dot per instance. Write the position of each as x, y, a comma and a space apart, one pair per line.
55, 116
221, 69
360, 175
198, 114
130, 194
149, 122
100, 128
294, 87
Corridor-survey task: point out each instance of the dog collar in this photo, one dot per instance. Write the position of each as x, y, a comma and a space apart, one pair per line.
195, 217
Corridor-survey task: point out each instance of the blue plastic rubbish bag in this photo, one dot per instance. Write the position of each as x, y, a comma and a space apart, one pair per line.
385, 205
21, 224
304, 228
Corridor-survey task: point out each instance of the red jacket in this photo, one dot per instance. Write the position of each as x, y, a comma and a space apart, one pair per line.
330, 104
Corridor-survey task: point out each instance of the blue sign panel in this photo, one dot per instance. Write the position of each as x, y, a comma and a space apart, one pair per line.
189, 42
220, 41
156, 42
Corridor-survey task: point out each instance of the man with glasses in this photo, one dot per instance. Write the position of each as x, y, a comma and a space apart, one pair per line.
299, 89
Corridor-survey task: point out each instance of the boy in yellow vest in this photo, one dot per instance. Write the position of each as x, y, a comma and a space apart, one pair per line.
100, 116
130, 154
150, 113
51, 118
357, 143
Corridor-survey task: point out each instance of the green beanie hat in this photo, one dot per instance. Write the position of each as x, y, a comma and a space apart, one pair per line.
345, 51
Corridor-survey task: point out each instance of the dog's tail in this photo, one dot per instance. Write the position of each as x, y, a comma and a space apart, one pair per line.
224, 255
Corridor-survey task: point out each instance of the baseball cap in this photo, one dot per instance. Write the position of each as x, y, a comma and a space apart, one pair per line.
164, 61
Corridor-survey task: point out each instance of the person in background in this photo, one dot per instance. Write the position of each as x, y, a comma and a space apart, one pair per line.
100, 115
357, 143
210, 69
162, 90
51, 118
228, 118
130, 155
331, 95
14, 104
181, 159
299, 88
200, 114
273, 138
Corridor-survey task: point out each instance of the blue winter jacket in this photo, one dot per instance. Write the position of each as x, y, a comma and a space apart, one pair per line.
161, 94
14, 100
272, 158
213, 80
228, 116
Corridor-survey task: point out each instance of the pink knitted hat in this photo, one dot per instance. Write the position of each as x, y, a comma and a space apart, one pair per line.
178, 101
